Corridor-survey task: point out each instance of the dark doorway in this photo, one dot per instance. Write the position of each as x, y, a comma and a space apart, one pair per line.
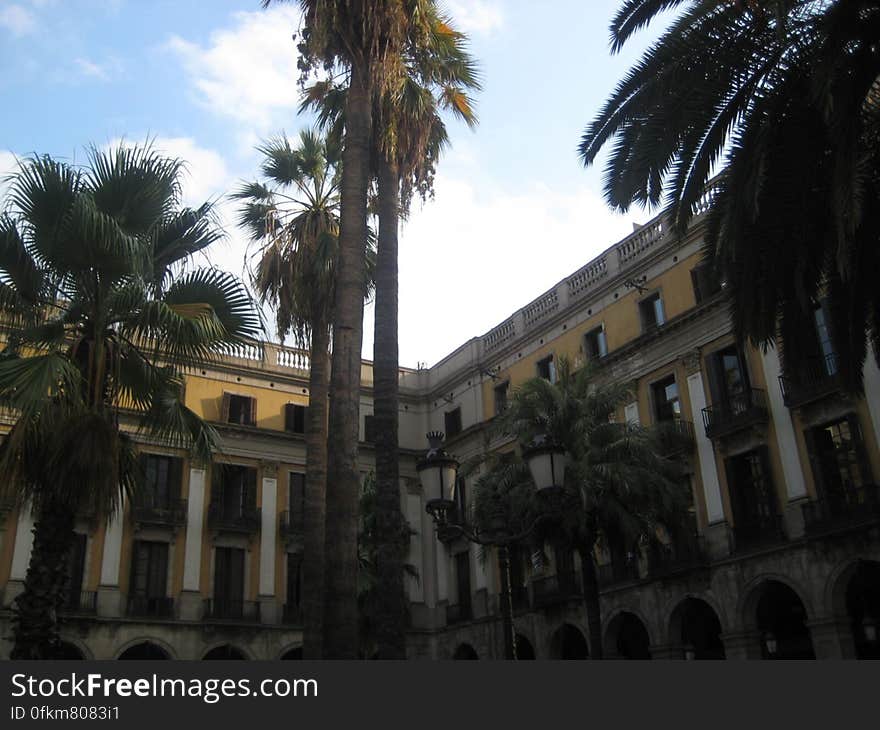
144, 650
225, 652
465, 651
699, 630
293, 654
781, 619
568, 643
863, 607
630, 637
524, 648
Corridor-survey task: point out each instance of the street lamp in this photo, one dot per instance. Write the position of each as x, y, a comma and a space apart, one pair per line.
771, 643
437, 472
869, 629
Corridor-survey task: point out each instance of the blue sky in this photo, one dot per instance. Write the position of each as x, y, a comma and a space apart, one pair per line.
514, 210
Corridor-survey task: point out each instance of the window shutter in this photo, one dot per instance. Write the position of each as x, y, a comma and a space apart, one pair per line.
696, 281
659, 315
855, 430
815, 461
603, 343
253, 412
302, 418
716, 387
288, 417
770, 499
175, 478
250, 484
217, 484
224, 408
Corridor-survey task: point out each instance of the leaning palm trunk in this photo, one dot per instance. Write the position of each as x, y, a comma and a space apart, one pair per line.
36, 609
591, 598
343, 483
315, 507
391, 611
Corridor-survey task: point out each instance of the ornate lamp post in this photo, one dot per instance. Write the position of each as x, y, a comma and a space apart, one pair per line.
437, 471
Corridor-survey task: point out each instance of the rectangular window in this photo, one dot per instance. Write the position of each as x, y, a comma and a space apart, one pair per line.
452, 422
839, 463
750, 486
229, 580
296, 496
706, 282
547, 369
667, 406
162, 476
236, 490
651, 311
149, 570
294, 580
463, 583
239, 409
595, 344
295, 418
728, 380
501, 398
826, 343
370, 429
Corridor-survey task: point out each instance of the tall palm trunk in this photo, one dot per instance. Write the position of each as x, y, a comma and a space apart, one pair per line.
343, 483
315, 507
391, 611
36, 610
591, 598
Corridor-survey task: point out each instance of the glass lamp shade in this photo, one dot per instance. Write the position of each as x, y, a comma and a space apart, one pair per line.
771, 643
547, 465
690, 653
869, 629
438, 478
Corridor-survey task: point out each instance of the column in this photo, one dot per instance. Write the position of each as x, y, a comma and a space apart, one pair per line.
268, 540
832, 638
742, 645
872, 392
191, 602
705, 450
795, 486
21, 554
109, 597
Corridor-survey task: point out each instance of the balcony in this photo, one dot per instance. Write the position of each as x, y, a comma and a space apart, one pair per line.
810, 380
457, 613
675, 437
81, 603
150, 607
230, 609
556, 589
742, 410
292, 615
616, 572
756, 534
290, 525
680, 557
851, 508
151, 514
245, 521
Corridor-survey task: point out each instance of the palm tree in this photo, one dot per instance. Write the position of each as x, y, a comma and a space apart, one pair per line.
364, 39
101, 314
619, 491
297, 222
786, 93
408, 137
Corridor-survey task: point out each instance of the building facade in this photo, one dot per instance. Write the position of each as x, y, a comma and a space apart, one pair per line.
782, 467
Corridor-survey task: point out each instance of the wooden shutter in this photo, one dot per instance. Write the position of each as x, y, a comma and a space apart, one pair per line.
221, 573
815, 461
855, 430
289, 417
139, 569
157, 577
224, 407
296, 495
218, 485
249, 501
716, 386
769, 497
253, 412
175, 478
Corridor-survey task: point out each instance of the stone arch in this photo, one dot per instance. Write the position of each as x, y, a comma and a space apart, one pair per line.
525, 649
778, 614
292, 652
856, 600
751, 593
568, 641
74, 649
145, 645
695, 629
834, 594
465, 651
669, 607
626, 636
225, 651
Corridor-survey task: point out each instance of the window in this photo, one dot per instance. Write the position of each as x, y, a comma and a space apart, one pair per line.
547, 369
234, 490
370, 429
162, 475
295, 418
728, 380
826, 343
149, 575
239, 409
750, 486
296, 498
460, 496
294, 582
667, 406
452, 421
463, 583
501, 398
651, 312
838, 458
706, 282
595, 344
229, 582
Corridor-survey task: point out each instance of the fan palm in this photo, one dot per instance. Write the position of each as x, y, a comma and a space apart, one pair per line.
408, 137
785, 93
619, 490
363, 39
101, 314
295, 218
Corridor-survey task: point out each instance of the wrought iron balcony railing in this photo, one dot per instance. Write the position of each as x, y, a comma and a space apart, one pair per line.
230, 609
150, 607
291, 524
615, 572
678, 557
241, 520
741, 410
168, 514
555, 588
755, 534
675, 436
810, 380
456, 613
847, 508
81, 603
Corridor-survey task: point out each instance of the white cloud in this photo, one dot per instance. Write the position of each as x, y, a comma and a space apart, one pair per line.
247, 72
471, 258
475, 16
18, 20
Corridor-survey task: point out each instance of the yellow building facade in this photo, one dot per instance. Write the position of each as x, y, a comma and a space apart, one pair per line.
782, 468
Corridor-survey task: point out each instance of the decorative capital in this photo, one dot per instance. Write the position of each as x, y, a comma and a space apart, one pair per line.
269, 468
691, 361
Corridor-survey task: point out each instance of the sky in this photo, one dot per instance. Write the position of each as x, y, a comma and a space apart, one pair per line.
514, 210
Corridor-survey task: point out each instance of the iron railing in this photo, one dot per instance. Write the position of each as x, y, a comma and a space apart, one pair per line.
810, 380
150, 607
81, 602
171, 513
231, 609
741, 410
845, 508
756, 533
675, 436
681, 556
555, 588
291, 524
456, 613
241, 520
